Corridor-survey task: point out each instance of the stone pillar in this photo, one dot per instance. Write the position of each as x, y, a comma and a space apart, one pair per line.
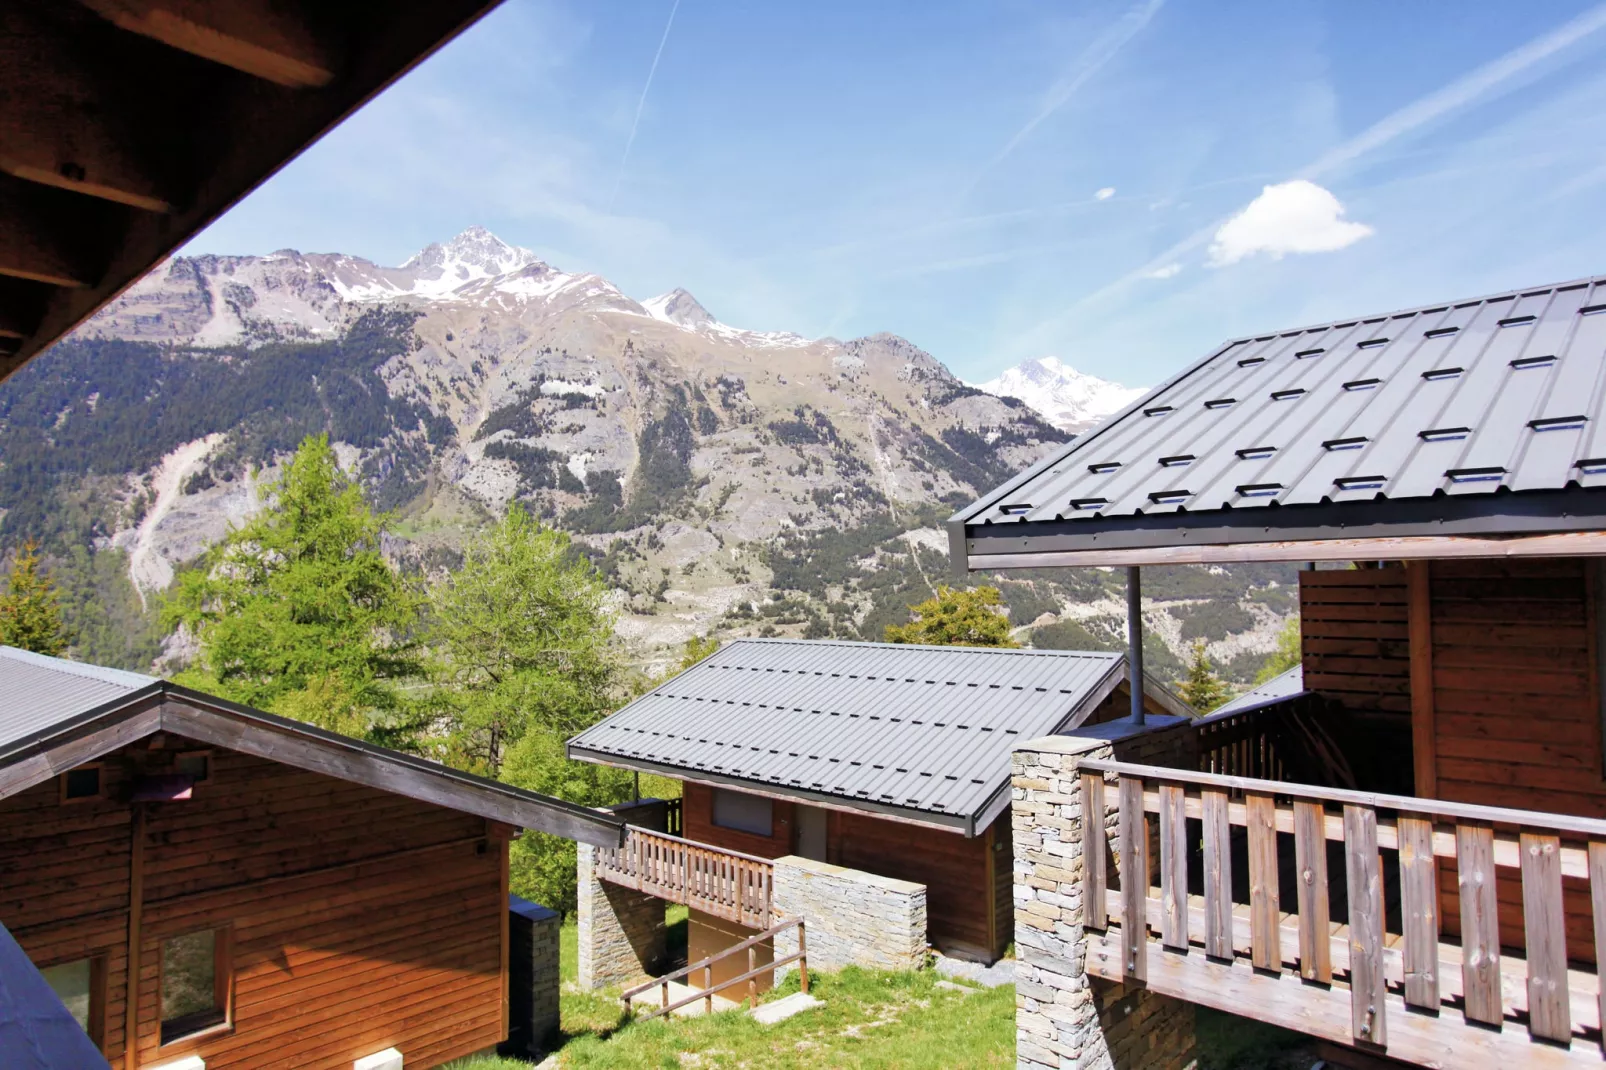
851, 918
1065, 1018
533, 981
622, 933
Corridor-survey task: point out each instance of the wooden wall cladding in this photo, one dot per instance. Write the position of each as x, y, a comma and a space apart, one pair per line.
1356, 642
358, 920
697, 823
1517, 717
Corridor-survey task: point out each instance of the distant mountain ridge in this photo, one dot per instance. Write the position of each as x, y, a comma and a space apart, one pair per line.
1070, 400
725, 480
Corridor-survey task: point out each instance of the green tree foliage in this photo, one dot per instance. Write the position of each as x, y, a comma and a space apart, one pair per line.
1202, 688
1287, 654
527, 654
956, 618
525, 638
299, 613
30, 608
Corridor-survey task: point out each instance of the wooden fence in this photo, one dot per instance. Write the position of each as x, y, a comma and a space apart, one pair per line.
727, 884
1478, 998
706, 966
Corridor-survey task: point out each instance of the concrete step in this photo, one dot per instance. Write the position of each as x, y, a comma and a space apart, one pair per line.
784, 1008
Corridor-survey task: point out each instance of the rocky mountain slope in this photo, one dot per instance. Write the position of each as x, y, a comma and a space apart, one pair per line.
726, 480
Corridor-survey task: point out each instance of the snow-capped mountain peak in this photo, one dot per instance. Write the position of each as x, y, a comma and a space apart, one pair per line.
474, 254
680, 308
1068, 399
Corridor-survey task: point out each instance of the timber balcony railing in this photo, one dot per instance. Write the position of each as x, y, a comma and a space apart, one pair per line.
727, 884
1337, 928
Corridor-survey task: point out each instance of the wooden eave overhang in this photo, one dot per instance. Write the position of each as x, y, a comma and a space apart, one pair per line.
165, 707
127, 126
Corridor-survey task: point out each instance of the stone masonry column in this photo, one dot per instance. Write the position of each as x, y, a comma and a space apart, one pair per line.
622, 932
1064, 1018
533, 981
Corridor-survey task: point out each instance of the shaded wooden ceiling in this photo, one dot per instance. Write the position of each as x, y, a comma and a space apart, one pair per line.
126, 126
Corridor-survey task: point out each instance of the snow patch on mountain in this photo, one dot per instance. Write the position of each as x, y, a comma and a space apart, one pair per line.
680, 309
1068, 399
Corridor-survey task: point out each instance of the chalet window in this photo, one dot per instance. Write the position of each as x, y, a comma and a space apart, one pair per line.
744, 813
195, 983
85, 782
79, 985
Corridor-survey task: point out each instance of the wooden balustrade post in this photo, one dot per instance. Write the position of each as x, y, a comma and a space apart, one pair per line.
1597, 902
708, 988
1480, 923
752, 981
1173, 867
1265, 939
802, 957
1217, 874
1095, 905
1419, 907
1544, 922
1363, 868
1310, 861
1134, 836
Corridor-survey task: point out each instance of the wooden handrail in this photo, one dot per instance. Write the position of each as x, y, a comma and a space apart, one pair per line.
750, 945
1359, 953
728, 884
1584, 827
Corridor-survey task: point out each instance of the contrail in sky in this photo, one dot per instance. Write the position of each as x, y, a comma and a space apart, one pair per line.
1089, 63
642, 103
1459, 93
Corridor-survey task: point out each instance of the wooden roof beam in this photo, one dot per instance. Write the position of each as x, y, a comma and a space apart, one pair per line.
68, 112
260, 37
48, 236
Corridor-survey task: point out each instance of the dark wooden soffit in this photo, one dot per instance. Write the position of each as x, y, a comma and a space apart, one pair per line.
126, 126
164, 707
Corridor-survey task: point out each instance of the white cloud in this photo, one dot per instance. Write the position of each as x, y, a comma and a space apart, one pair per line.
1104, 194
1165, 272
1290, 217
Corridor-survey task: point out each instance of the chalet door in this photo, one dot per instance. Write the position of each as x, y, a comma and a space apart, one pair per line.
811, 832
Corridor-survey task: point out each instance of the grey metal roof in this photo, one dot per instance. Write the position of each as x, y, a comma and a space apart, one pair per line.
38, 692
923, 729
1450, 405
1284, 685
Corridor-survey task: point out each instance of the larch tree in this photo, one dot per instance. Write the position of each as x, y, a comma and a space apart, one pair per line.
524, 637
298, 612
30, 608
954, 617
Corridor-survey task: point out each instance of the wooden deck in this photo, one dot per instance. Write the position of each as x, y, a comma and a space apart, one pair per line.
727, 884
1339, 934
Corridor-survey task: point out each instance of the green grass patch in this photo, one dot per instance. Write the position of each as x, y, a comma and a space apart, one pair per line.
870, 1020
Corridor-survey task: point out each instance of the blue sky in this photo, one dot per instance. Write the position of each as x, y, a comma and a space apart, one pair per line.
994, 181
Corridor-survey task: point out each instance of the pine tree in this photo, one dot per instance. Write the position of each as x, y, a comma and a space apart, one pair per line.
956, 617
298, 612
1202, 688
30, 608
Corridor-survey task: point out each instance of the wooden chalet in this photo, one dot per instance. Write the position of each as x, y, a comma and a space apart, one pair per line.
1405, 852
208, 886
883, 758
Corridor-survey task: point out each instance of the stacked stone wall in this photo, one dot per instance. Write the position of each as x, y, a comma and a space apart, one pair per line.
851, 918
1065, 1019
622, 933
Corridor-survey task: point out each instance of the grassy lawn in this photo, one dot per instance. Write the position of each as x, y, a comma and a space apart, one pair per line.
869, 1020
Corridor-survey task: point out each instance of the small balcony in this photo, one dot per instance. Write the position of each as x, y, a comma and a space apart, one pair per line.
1437, 933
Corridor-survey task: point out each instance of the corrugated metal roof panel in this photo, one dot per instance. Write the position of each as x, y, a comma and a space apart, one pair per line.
922, 728
1506, 392
1284, 685
37, 692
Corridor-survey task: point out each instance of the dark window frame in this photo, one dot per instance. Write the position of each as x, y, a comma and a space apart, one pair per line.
100, 783
175, 1033
96, 1026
